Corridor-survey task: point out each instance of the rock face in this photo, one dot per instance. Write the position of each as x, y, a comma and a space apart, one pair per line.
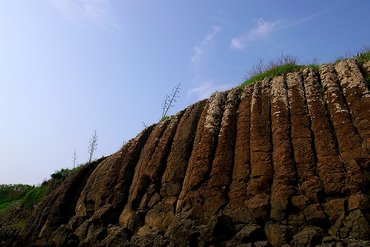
284, 161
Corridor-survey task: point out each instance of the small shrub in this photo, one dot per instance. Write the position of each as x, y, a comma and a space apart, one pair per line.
60, 174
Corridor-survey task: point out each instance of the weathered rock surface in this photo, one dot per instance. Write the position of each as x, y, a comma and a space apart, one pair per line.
283, 162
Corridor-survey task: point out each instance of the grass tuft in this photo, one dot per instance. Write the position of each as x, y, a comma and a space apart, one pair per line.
276, 67
164, 118
313, 66
272, 72
363, 57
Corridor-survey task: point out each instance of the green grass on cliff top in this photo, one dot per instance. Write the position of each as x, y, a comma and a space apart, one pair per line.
276, 67
272, 72
287, 64
363, 56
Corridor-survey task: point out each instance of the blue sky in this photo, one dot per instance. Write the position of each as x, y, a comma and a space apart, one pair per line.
70, 67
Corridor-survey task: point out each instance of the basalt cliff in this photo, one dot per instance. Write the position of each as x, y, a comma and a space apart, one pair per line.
282, 162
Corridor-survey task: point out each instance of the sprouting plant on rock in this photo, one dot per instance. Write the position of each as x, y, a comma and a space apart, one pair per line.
93, 145
74, 159
170, 100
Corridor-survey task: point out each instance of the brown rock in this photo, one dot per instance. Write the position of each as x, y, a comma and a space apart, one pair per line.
358, 201
250, 233
203, 149
284, 171
258, 206
357, 95
315, 215
276, 234
242, 166
309, 236
354, 226
178, 158
334, 208
215, 191
329, 167
261, 163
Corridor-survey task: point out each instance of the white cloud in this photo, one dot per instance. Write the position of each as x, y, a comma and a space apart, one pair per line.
96, 12
307, 18
201, 49
261, 31
205, 89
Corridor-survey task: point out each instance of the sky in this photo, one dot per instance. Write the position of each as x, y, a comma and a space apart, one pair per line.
69, 68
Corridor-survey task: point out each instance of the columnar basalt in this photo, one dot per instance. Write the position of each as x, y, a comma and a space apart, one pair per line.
284, 161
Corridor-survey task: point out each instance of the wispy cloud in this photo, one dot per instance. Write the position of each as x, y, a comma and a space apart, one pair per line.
95, 12
264, 29
306, 18
205, 89
261, 31
200, 50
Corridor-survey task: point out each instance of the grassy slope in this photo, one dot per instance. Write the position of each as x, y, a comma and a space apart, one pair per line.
28, 196
5, 203
11, 194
